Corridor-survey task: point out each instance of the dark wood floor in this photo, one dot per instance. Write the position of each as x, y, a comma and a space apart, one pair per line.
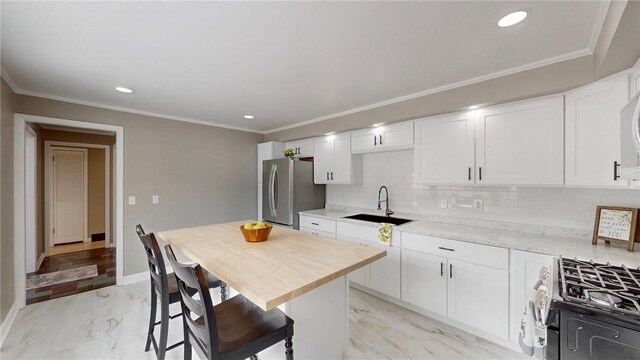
104, 259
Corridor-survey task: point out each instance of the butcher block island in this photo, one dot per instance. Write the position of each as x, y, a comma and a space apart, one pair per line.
302, 274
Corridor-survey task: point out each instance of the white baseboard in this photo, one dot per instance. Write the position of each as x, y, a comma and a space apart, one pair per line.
8, 322
40, 259
135, 278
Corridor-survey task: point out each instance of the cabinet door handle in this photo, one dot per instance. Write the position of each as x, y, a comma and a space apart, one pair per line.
469, 173
450, 271
332, 175
316, 224
480, 172
327, 175
444, 248
615, 171
380, 139
441, 269
375, 140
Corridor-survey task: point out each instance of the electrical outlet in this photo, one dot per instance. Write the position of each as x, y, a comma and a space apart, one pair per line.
443, 203
154, 199
478, 204
132, 200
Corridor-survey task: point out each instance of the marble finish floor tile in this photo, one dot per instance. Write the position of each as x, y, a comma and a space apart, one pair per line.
382, 330
110, 323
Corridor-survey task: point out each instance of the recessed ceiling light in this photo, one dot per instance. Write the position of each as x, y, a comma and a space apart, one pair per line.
124, 90
473, 107
330, 133
378, 124
248, 116
512, 19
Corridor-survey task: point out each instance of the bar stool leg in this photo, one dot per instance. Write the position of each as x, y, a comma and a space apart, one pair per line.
187, 344
223, 292
288, 349
253, 357
152, 318
164, 327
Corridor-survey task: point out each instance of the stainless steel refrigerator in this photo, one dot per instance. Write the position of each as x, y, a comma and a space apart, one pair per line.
288, 188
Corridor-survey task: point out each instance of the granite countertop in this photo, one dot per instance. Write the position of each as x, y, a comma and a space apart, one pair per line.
570, 247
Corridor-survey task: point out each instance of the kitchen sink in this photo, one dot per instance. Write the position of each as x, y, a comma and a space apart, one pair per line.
378, 219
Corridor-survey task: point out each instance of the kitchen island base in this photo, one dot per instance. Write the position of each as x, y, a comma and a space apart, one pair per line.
321, 323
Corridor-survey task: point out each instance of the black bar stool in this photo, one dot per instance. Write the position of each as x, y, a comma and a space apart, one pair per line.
233, 329
165, 288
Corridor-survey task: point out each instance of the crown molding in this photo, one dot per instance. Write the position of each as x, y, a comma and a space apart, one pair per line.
530, 66
134, 111
9, 80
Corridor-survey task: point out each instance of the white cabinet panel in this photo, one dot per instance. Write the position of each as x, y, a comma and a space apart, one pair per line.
302, 148
525, 267
318, 224
521, 143
479, 296
341, 172
386, 137
361, 275
396, 136
424, 281
593, 132
333, 162
365, 140
445, 149
322, 162
384, 274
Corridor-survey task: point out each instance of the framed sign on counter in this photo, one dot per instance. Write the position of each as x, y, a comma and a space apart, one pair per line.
617, 225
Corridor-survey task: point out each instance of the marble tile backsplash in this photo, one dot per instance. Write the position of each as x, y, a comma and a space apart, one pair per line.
549, 206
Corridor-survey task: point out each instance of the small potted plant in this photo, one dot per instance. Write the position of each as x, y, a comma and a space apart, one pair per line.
289, 153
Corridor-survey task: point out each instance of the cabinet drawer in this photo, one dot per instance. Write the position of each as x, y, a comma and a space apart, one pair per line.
318, 232
491, 256
318, 224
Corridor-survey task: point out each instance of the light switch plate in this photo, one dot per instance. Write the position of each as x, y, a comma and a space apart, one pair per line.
443, 203
478, 204
132, 200
154, 199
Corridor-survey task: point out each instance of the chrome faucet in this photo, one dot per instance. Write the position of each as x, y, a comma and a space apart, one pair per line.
387, 212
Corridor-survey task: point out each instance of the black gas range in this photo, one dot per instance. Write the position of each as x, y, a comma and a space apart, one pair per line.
594, 312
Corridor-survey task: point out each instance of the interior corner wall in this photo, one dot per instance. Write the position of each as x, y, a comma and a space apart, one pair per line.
194, 169
7, 291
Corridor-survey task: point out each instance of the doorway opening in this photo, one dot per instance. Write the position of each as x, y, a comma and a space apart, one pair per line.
72, 201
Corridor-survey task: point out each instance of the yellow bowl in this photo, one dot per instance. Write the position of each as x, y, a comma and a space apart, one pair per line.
256, 235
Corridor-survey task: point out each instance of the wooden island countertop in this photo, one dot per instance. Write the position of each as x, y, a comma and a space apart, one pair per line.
290, 263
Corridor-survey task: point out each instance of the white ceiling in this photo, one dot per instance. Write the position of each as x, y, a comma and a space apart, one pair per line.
284, 62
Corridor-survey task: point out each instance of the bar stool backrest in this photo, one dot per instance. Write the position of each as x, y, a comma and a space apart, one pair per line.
157, 269
192, 278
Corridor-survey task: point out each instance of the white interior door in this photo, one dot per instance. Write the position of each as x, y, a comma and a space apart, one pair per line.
69, 195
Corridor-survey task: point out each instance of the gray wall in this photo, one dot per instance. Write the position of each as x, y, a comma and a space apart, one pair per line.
6, 200
202, 174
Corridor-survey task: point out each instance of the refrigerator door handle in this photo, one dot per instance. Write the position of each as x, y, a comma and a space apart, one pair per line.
271, 180
275, 191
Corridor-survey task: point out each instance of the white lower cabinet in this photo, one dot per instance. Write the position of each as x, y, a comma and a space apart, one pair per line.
424, 281
382, 275
525, 267
466, 282
479, 296
318, 232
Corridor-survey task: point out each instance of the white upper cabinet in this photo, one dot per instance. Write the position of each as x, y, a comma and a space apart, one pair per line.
521, 143
333, 162
445, 149
593, 132
386, 137
302, 148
